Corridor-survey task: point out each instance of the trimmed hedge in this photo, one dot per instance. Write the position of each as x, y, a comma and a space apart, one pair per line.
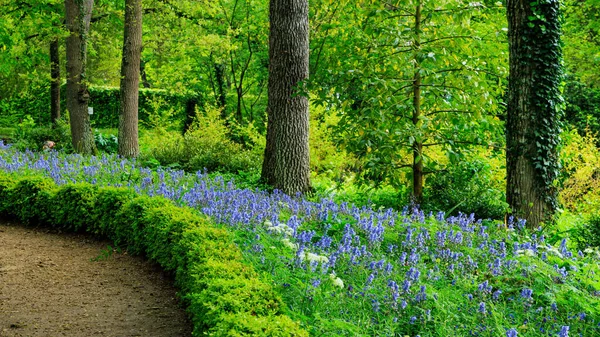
224, 296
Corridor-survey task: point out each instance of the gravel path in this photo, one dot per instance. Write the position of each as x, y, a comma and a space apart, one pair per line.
72, 285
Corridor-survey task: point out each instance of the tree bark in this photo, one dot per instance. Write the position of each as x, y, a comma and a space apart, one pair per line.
221, 96
78, 15
286, 163
190, 113
130, 79
145, 82
54, 82
532, 123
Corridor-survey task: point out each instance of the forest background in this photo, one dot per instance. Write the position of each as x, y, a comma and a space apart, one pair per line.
203, 97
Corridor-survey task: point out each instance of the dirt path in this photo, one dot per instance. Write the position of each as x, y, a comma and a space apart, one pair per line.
50, 285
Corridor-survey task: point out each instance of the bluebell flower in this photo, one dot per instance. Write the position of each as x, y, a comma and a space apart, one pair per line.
564, 331
526, 293
496, 294
482, 308
512, 332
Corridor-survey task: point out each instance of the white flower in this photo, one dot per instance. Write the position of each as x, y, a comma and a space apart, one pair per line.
526, 252
289, 244
336, 280
314, 257
280, 228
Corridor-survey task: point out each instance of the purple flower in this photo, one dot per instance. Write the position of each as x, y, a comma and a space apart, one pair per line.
512, 332
482, 308
496, 294
526, 293
564, 331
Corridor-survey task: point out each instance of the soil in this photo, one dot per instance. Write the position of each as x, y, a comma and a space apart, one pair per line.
54, 284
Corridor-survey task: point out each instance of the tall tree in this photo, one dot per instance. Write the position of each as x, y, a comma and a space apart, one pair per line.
286, 162
78, 15
130, 79
422, 80
534, 101
54, 81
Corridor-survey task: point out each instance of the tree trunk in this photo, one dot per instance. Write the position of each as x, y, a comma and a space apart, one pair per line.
78, 16
190, 113
145, 82
130, 79
532, 124
221, 98
418, 143
286, 163
54, 82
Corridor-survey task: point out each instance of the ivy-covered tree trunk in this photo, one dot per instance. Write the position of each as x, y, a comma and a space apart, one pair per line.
54, 81
78, 15
534, 100
286, 163
130, 79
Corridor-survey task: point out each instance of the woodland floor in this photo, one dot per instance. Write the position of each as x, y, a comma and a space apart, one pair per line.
55, 284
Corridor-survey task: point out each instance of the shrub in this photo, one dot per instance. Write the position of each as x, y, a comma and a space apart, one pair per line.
206, 145
106, 142
469, 186
325, 157
587, 234
580, 178
29, 136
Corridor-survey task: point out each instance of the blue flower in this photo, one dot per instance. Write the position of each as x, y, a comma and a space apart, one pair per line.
482, 308
564, 331
512, 332
526, 293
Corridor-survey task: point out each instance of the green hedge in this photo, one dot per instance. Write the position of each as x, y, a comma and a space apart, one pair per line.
224, 296
104, 100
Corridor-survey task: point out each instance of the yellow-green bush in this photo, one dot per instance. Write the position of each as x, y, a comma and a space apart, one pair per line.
325, 157
224, 296
581, 172
205, 145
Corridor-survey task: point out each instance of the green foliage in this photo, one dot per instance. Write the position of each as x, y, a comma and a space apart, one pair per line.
582, 106
224, 296
29, 136
206, 145
326, 158
580, 175
469, 186
589, 233
581, 42
30, 200
373, 57
106, 142
75, 202
156, 107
